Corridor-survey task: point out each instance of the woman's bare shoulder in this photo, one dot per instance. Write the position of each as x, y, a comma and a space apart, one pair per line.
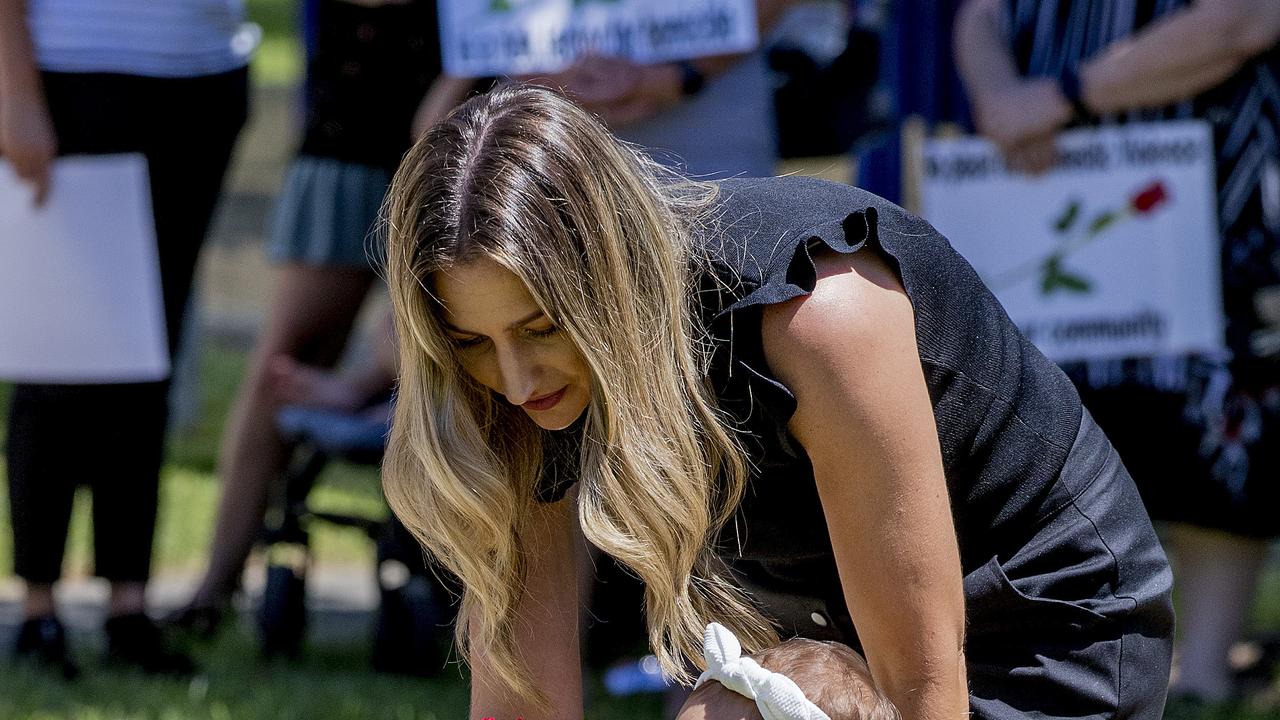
858, 305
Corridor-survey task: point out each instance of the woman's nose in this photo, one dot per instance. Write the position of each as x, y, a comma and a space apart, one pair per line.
516, 376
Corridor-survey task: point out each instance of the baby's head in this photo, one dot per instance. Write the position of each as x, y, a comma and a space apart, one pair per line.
832, 677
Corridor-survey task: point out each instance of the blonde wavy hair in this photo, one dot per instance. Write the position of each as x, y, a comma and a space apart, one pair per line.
602, 237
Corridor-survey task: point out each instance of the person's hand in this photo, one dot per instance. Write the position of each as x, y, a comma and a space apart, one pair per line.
424, 118
1034, 156
27, 140
618, 90
1022, 120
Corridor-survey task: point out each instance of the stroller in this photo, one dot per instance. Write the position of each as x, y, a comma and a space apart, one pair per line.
414, 614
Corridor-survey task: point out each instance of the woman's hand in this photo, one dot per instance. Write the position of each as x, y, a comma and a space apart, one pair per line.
27, 139
863, 414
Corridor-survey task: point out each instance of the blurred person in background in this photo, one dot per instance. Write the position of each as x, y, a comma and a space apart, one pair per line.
712, 117
708, 116
169, 81
1201, 435
917, 81
369, 69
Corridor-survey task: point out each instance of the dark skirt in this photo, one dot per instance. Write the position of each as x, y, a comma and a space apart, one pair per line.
1078, 620
1070, 619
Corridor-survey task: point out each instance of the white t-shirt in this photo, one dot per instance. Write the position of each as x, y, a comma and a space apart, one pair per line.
159, 38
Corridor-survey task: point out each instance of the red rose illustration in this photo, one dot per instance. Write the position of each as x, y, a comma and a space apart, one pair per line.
1149, 198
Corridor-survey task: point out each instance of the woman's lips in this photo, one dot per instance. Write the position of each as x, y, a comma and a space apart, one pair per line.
546, 402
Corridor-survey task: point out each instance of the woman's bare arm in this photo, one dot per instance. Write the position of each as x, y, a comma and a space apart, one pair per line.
848, 352
546, 626
27, 138
1178, 56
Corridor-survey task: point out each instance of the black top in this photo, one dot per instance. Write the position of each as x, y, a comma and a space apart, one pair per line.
1006, 416
368, 70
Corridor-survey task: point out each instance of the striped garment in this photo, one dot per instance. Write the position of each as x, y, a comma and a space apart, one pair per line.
1244, 112
165, 38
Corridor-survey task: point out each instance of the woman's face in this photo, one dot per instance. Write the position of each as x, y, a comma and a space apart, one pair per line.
507, 344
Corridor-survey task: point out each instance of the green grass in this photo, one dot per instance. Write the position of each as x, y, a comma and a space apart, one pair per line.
189, 490
279, 59
332, 681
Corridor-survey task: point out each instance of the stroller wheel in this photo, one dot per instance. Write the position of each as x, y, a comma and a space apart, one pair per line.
406, 639
283, 616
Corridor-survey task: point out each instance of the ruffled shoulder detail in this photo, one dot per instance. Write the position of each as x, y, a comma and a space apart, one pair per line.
796, 274
775, 272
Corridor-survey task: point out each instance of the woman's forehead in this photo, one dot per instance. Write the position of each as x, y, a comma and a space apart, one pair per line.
481, 295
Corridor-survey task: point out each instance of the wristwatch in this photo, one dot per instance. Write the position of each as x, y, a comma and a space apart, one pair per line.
691, 78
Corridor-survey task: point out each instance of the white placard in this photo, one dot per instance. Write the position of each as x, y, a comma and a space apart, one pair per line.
1114, 253
514, 37
80, 297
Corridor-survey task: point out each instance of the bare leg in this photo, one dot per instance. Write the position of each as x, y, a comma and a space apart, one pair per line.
310, 318
39, 601
127, 598
296, 383
1216, 574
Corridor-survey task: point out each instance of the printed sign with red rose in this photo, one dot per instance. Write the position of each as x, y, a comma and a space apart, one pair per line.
1113, 253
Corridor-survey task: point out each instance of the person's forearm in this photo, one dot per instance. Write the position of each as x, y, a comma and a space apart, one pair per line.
924, 673
445, 93
1179, 56
982, 55
945, 697
18, 72
545, 625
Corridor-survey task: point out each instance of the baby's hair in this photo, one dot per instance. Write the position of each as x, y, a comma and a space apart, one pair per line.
832, 676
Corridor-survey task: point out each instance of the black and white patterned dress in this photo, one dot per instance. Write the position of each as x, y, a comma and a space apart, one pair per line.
1220, 416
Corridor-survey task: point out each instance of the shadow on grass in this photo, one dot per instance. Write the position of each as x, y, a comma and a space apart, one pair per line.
331, 681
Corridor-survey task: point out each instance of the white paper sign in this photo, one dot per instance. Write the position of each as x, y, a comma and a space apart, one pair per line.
80, 297
513, 37
1114, 253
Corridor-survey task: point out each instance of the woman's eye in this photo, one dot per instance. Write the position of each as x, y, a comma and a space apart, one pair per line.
464, 343
548, 332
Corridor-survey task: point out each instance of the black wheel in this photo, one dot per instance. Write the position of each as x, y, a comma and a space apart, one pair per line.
282, 619
407, 638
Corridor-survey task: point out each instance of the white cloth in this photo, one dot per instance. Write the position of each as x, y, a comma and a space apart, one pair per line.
153, 38
777, 697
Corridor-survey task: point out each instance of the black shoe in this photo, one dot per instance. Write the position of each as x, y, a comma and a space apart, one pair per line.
43, 641
135, 640
200, 622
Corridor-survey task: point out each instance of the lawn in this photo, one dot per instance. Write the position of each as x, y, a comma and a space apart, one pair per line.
279, 59
331, 681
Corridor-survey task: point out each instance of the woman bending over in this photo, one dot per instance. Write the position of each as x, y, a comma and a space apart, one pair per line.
787, 405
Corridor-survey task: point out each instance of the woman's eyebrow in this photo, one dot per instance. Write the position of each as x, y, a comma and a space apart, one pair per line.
522, 321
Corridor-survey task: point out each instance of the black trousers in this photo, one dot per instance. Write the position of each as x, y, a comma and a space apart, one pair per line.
111, 437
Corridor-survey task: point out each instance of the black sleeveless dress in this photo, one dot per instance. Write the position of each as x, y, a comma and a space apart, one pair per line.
1067, 588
